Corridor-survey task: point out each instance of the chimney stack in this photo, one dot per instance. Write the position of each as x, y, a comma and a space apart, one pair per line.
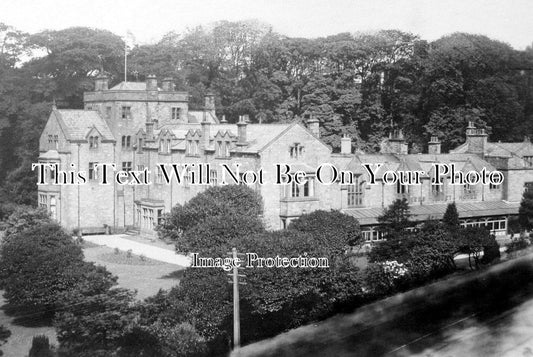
151, 82
167, 84
346, 145
395, 144
434, 145
241, 128
206, 132
314, 125
101, 83
476, 140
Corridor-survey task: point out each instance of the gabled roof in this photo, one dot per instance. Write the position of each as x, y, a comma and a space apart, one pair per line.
76, 124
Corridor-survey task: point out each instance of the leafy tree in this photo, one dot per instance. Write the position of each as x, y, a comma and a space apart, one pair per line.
22, 218
40, 264
451, 216
395, 218
525, 211
215, 201
331, 229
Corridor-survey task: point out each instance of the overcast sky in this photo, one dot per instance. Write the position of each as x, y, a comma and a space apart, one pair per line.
510, 21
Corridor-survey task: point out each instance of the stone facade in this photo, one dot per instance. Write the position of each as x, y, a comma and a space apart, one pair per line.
139, 126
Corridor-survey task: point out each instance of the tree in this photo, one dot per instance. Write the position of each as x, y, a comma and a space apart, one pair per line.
40, 264
451, 216
330, 229
395, 218
525, 211
22, 218
215, 201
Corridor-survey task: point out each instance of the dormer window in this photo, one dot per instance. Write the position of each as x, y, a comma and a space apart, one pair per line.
165, 145
296, 151
192, 147
93, 142
218, 150
227, 148
140, 148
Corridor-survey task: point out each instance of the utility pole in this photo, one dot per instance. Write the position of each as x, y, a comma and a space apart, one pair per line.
236, 308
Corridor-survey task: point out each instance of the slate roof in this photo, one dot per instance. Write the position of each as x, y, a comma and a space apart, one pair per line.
258, 136
76, 124
524, 148
368, 216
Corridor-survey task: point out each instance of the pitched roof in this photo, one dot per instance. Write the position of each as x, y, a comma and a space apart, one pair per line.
258, 136
77, 123
368, 216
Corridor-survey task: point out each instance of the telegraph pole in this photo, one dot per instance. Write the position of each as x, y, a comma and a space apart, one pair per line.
236, 308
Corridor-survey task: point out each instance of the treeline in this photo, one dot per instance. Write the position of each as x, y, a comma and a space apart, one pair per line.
359, 84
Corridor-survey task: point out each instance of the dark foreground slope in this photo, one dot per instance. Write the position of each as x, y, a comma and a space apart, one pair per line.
489, 313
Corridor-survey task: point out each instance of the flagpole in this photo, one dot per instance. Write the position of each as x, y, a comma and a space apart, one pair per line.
125, 58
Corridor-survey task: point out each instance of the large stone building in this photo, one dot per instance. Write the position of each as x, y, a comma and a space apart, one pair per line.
141, 125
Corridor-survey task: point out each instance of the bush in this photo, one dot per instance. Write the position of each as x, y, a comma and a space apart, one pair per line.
517, 244
40, 347
40, 264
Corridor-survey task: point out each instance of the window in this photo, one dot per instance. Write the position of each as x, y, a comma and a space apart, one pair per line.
93, 142
469, 192
219, 148
53, 172
494, 187
89, 107
147, 218
529, 186
56, 141
227, 148
302, 190
192, 147
175, 113
296, 151
528, 160
50, 139
401, 189
140, 167
108, 112
93, 174
213, 179
159, 175
159, 216
43, 201
126, 166
165, 146
126, 141
126, 112
53, 207
371, 235
140, 144
355, 192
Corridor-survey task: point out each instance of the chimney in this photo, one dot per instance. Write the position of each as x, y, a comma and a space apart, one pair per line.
314, 125
476, 140
151, 82
149, 130
167, 84
209, 102
101, 83
434, 145
206, 132
395, 144
241, 128
346, 145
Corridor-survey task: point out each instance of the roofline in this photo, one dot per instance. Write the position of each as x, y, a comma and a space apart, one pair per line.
260, 150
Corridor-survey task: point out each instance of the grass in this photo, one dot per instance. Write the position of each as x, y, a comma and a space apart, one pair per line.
121, 257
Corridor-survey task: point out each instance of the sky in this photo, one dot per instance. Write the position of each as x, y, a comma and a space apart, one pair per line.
510, 21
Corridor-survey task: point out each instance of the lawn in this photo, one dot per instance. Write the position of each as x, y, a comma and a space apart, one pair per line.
145, 275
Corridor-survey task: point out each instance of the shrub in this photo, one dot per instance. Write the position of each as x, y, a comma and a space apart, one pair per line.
40, 347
